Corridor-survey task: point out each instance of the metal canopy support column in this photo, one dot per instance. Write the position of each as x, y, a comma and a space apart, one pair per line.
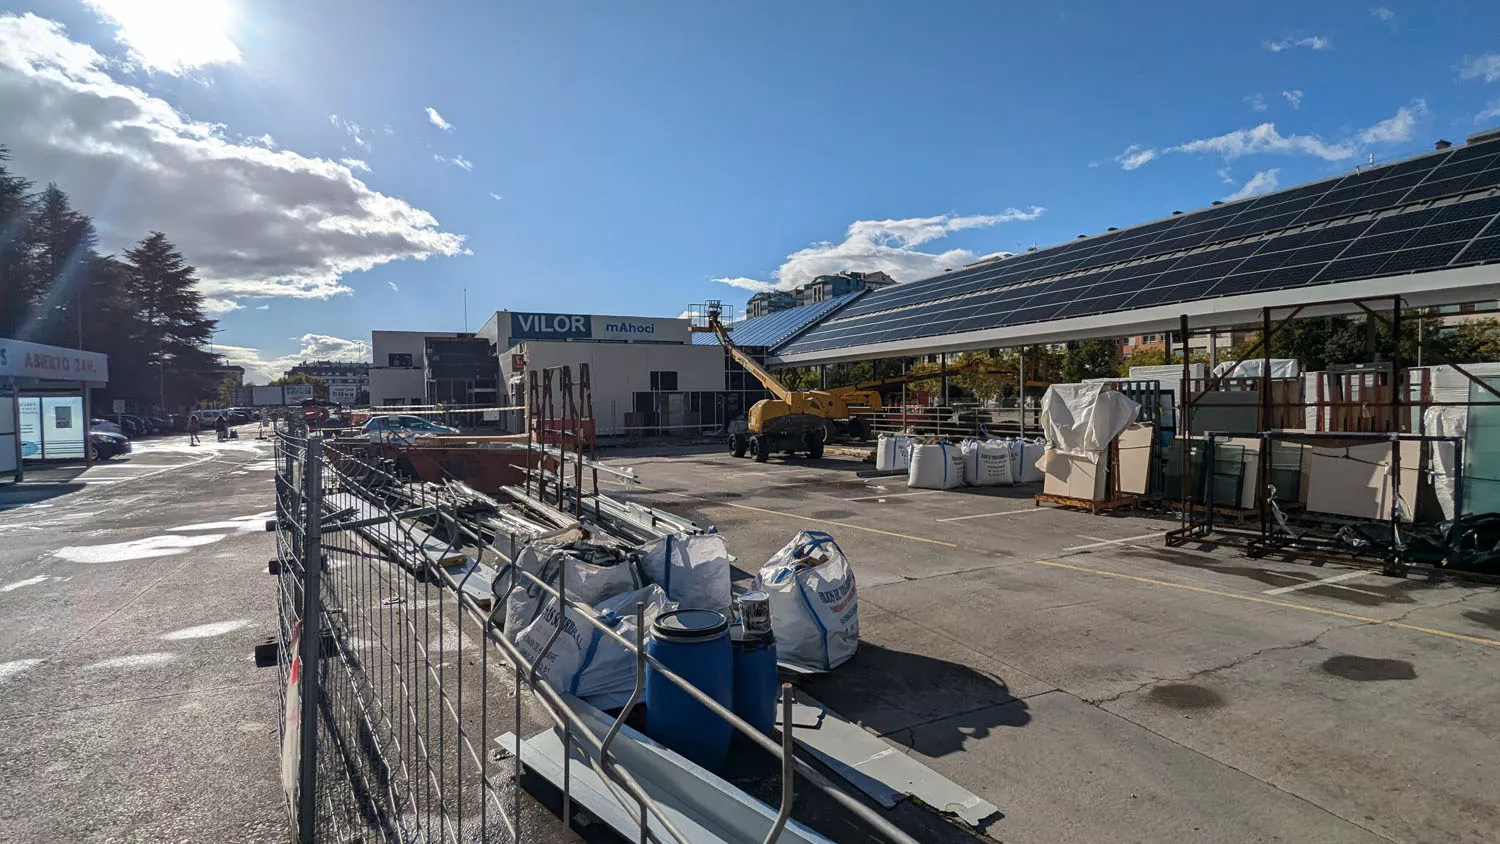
944, 367
1021, 391
1398, 427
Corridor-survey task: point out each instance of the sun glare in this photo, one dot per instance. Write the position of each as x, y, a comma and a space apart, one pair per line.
174, 35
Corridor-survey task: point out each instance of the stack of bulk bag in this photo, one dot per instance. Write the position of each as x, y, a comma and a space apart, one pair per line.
987, 463
892, 454
936, 466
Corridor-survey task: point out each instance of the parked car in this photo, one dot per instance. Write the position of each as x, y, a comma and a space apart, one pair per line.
103, 445
103, 425
393, 423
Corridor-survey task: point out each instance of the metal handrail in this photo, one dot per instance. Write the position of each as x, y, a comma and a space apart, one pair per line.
571, 723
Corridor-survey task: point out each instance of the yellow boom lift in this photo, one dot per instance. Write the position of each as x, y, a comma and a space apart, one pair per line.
803, 420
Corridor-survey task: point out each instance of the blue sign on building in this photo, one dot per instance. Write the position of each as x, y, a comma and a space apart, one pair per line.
551, 327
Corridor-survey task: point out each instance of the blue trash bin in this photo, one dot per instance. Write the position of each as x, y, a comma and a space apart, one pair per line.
694, 645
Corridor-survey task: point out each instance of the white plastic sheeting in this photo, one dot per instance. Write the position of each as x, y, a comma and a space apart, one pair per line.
1280, 368
936, 466
987, 463
1081, 420
1445, 422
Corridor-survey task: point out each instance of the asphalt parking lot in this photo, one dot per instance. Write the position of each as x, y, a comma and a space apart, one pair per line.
1096, 685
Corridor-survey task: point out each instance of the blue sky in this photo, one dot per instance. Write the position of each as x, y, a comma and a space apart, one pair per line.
641, 150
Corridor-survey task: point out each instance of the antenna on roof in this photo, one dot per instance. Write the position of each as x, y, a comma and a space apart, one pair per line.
1372, 159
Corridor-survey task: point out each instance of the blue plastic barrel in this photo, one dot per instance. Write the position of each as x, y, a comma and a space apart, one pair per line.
755, 687
694, 645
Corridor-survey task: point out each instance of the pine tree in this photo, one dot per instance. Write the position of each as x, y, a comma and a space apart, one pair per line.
16, 287
173, 330
60, 245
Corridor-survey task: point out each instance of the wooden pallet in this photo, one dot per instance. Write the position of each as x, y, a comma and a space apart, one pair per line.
1095, 507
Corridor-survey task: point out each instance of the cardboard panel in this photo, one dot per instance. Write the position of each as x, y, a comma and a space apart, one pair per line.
1136, 452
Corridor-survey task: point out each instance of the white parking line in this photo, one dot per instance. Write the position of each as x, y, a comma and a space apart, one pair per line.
1103, 542
894, 495
1014, 512
1348, 575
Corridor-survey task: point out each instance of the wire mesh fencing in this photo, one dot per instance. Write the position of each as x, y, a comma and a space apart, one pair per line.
396, 678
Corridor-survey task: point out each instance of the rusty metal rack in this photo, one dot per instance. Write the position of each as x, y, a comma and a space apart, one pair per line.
1401, 417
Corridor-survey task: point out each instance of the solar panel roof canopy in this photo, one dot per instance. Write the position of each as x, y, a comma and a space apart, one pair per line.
777, 327
1423, 228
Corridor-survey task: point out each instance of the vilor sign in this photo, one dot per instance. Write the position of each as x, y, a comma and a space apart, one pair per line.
34, 360
551, 327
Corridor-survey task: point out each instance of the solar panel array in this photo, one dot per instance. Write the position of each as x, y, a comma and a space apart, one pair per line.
1426, 213
777, 327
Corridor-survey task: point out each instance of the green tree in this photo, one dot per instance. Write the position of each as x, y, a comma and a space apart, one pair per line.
173, 330
17, 287
59, 244
1092, 359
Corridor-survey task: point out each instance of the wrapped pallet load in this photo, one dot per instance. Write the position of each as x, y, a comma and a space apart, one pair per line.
936, 466
987, 463
1081, 420
892, 454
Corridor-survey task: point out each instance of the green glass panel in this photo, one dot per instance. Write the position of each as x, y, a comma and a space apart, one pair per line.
1482, 452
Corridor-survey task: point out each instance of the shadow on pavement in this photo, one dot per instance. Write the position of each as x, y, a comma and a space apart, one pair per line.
892, 691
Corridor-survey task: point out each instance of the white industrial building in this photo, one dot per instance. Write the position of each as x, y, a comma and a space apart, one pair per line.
645, 372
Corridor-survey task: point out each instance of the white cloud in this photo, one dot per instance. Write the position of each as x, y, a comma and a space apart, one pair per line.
355, 164
1490, 112
1293, 98
753, 285
1263, 182
393, 286
1486, 67
1314, 42
1264, 138
263, 141
885, 245
437, 120
1397, 128
1383, 14
263, 307
214, 306
261, 369
1257, 102
1224, 176
495, 196
172, 36
1134, 157
457, 161
1093, 164
255, 222
352, 129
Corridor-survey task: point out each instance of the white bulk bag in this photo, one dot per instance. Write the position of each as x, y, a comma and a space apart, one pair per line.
586, 582
584, 661
936, 466
986, 463
693, 569
1031, 455
892, 454
814, 605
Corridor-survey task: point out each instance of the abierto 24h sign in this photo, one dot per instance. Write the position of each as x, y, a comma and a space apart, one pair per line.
19, 359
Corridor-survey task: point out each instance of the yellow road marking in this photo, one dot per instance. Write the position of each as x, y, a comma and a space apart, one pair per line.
802, 517
1256, 599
